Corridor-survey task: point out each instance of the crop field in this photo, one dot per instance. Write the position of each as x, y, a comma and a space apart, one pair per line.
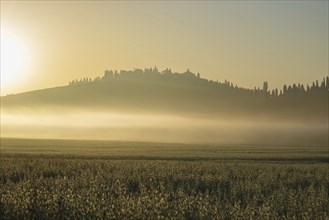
53, 179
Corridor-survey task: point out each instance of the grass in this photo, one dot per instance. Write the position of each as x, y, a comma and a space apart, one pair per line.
47, 179
161, 151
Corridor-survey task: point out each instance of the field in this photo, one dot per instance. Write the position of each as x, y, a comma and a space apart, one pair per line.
59, 179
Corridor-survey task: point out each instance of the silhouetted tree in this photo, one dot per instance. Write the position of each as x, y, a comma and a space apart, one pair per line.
308, 88
167, 72
313, 86
155, 70
294, 88
116, 74
108, 74
265, 87
285, 89
273, 92
323, 83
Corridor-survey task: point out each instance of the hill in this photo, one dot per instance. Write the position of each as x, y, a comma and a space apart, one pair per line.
151, 91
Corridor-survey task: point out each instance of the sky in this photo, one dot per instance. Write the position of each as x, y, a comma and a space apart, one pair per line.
47, 44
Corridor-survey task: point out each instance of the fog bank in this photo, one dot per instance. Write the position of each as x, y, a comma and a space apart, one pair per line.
162, 128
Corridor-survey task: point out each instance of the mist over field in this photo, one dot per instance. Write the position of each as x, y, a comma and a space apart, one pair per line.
170, 107
162, 128
164, 110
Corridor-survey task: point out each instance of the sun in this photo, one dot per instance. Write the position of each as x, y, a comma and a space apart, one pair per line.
14, 60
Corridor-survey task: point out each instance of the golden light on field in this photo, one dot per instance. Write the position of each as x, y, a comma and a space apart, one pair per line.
14, 59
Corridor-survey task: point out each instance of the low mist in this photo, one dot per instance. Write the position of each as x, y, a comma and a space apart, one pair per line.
162, 128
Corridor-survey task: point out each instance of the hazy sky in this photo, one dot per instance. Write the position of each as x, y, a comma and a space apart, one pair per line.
45, 44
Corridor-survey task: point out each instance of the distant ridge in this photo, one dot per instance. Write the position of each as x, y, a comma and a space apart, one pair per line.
149, 90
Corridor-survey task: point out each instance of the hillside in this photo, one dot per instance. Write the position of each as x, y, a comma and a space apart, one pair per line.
150, 91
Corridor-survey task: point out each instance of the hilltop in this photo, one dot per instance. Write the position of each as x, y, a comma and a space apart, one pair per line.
177, 93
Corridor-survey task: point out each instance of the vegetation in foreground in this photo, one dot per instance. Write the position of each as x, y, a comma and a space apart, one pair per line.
32, 187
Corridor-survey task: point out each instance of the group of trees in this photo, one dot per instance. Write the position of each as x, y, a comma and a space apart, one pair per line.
189, 77
299, 88
150, 73
83, 80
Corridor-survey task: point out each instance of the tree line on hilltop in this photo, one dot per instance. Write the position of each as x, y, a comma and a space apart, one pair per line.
191, 78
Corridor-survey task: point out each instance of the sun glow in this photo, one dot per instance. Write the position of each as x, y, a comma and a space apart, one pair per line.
14, 60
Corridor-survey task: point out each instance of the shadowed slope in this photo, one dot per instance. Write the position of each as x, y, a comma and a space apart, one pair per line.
183, 95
